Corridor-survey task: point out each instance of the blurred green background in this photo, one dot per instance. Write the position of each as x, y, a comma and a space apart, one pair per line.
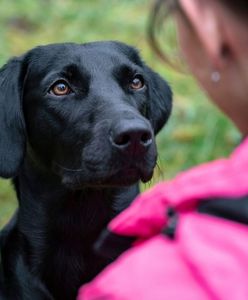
196, 132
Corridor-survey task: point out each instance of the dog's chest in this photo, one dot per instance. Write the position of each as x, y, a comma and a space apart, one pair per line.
68, 266
70, 260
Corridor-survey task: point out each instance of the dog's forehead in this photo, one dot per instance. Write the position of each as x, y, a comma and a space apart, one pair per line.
92, 55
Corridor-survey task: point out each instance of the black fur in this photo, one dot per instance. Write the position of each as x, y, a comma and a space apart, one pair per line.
75, 159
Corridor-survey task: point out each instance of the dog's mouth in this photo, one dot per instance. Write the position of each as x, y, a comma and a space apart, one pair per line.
130, 176
79, 178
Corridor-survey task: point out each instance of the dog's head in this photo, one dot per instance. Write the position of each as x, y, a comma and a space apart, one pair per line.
86, 113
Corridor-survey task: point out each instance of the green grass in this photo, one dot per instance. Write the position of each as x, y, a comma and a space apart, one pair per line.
196, 132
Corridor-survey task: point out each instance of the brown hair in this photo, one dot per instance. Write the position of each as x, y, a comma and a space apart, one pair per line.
161, 9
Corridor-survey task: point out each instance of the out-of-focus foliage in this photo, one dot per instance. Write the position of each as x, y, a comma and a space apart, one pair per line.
196, 132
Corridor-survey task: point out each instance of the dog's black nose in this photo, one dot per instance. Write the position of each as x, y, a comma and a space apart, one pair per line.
132, 136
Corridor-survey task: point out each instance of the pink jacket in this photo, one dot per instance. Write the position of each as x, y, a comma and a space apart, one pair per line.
188, 239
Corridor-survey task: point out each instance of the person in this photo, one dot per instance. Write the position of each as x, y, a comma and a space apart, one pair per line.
187, 238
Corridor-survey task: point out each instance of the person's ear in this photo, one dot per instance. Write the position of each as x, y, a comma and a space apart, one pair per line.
203, 18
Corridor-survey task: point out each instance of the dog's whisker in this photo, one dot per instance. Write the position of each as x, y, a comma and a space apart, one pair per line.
160, 171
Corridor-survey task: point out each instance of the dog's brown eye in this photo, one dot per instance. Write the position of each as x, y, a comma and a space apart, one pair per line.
60, 89
137, 83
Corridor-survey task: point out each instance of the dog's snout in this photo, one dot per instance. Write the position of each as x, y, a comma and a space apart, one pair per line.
136, 137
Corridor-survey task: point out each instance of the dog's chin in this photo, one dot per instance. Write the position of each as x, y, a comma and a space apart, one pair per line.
129, 177
120, 179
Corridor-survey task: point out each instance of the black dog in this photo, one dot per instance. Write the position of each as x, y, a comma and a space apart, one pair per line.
77, 133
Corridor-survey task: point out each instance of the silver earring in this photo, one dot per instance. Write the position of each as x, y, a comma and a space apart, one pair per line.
215, 76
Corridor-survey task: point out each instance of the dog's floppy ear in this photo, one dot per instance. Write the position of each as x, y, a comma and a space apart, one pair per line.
160, 100
12, 127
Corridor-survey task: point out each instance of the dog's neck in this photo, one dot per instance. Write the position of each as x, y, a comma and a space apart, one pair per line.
55, 222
